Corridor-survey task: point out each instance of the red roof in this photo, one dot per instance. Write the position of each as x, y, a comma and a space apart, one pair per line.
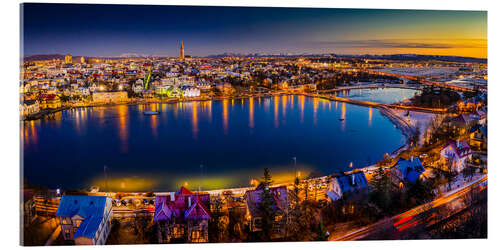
48, 96
183, 191
183, 205
197, 211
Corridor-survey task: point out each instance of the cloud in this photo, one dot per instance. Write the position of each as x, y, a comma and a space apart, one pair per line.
403, 44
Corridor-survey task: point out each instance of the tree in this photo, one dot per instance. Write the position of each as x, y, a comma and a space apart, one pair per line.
293, 226
218, 222
266, 210
420, 192
381, 185
321, 233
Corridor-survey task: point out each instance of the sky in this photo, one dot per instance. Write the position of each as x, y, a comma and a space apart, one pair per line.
114, 30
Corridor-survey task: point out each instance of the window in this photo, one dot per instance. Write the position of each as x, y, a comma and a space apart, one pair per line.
278, 218
78, 222
66, 221
195, 235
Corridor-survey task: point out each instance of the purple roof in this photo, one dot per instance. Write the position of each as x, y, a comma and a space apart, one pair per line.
462, 149
179, 208
254, 198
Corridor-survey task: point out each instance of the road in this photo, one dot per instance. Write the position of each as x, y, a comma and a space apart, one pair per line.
421, 216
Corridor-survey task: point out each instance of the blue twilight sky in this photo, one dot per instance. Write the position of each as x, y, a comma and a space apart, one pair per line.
112, 30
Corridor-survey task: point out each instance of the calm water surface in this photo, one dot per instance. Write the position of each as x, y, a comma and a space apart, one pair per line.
212, 144
380, 95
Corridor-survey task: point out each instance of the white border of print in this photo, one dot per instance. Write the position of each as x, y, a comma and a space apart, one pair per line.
10, 125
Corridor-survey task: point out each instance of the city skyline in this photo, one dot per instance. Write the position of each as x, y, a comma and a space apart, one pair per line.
114, 30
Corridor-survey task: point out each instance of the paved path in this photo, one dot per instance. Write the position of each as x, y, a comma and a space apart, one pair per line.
53, 236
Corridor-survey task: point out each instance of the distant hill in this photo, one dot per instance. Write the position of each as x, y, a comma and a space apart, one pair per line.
427, 57
43, 57
49, 57
414, 57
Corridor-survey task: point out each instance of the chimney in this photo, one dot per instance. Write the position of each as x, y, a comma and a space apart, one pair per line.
458, 143
353, 182
172, 196
189, 201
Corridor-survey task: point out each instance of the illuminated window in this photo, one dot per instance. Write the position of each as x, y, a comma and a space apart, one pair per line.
78, 222
195, 235
278, 218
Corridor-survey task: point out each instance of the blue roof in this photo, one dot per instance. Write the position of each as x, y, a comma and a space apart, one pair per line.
91, 208
484, 129
410, 169
348, 184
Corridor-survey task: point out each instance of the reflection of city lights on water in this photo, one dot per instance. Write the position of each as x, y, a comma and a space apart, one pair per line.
370, 112
250, 111
225, 115
276, 107
195, 120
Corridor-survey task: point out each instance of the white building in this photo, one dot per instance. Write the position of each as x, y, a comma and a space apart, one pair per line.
456, 153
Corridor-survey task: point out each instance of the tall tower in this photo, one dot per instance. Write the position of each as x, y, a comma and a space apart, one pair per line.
181, 52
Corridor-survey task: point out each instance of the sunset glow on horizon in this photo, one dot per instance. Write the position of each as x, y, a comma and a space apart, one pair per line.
114, 30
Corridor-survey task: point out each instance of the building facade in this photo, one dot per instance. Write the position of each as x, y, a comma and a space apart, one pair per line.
456, 154
182, 216
50, 101
86, 220
110, 96
29, 107
350, 185
68, 59
280, 207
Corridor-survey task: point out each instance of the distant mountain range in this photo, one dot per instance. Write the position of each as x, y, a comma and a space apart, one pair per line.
414, 57
48, 57
425, 57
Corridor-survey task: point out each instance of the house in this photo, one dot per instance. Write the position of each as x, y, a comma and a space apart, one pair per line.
109, 96
138, 88
81, 91
182, 216
86, 220
456, 154
225, 88
50, 101
468, 105
280, 206
29, 107
463, 121
406, 171
190, 91
347, 185
479, 136
480, 116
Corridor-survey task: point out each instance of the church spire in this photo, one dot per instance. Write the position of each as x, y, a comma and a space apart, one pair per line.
181, 52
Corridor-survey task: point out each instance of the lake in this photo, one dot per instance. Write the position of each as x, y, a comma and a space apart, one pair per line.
203, 145
380, 95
